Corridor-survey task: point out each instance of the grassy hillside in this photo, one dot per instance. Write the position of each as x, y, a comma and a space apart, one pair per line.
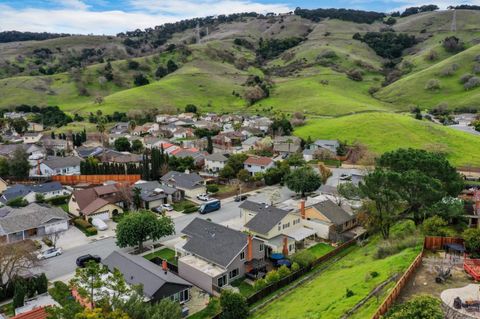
411, 89
383, 132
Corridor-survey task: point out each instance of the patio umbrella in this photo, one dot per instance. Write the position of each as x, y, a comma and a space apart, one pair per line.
284, 262
277, 256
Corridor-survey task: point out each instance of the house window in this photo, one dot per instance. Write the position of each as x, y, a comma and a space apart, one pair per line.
242, 255
279, 228
222, 281
291, 247
261, 247
262, 167
234, 273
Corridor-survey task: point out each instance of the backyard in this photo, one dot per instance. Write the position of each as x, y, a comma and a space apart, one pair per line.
320, 249
164, 253
326, 295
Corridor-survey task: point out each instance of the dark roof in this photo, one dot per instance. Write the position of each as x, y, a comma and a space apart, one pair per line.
85, 152
60, 162
214, 242
137, 270
217, 157
266, 216
91, 199
333, 212
150, 191
47, 187
183, 180
20, 190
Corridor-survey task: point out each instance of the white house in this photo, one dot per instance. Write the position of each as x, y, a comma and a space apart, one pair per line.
258, 164
32, 137
57, 166
215, 162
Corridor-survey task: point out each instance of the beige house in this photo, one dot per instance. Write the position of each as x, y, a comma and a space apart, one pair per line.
101, 202
3, 185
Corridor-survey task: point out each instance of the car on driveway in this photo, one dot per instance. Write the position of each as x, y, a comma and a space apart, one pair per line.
83, 260
163, 208
240, 198
49, 253
99, 224
203, 197
345, 177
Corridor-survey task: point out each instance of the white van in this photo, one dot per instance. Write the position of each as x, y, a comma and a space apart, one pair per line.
99, 224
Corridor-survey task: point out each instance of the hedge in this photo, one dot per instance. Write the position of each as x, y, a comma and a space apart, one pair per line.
189, 210
85, 226
59, 200
91, 231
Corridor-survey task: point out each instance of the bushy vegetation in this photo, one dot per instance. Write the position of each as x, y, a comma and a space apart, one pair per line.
357, 16
388, 45
14, 36
419, 307
414, 10
271, 48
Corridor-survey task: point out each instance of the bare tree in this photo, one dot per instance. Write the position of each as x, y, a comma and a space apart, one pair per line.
54, 237
16, 259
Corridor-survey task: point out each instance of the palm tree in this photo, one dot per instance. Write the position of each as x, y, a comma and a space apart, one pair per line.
101, 129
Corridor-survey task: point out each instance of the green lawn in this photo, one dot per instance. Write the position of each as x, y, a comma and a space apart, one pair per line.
320, 249
8, 309
325, 296
383, 132
164, 253
244, 288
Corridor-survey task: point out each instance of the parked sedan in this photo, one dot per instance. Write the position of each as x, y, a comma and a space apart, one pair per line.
203, 197
83, 260
49, 253
163, 208
240, 198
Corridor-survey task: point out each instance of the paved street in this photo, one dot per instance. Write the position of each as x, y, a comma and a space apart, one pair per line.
63, 266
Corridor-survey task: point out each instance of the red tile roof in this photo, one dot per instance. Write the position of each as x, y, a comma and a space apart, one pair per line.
38, 313
258, 160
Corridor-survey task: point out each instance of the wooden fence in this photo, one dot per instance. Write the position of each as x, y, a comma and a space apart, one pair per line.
387, 303
95, 179
436, 243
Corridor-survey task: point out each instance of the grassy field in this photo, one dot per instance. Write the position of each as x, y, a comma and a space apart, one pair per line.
410, 90
318, 299
383, 132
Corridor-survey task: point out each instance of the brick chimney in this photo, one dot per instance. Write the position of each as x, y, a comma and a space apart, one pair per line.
285, 246
302, 208
164, 266
249, 252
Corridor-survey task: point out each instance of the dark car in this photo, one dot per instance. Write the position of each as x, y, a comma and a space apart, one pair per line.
240, 198
83, 260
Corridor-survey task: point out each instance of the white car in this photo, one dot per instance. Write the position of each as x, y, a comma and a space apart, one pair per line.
49, 253
203, 197
99, 224
166, 207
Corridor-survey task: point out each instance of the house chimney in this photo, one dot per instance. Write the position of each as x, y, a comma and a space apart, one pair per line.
285, 246
164, 266
249, 252
302, 208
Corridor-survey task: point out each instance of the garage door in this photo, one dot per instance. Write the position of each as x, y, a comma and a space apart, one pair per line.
102, 216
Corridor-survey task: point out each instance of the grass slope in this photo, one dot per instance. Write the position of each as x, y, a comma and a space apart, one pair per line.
324, 296
411, 90
383, 132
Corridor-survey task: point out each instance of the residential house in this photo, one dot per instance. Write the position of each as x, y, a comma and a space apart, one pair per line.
32, 137
86, 152
258, 164
112, 156
183, 133
54, 165
259, 122
35, 127
54, 145
162, 118
331, 221
228, 140
329, 145
250, 143
147, 128
30, 192
215, 255
280, 228
120, 128
153, 194
157, 282
308, 154
198, 157
7, 150
191, 184
215, 162
35, 313
34, 220
3, 185
286, 145
97, 202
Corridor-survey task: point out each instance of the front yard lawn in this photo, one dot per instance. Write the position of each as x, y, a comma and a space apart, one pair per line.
164, 253
320, 249
183, 205
325, 295
245, 289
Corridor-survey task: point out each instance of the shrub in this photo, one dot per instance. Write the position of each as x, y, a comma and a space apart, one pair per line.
453, 44
465, 78
19, 294
373, 89
355, 75
259, 284
191, 209
91, 231
449, 70
472, 241
283, 271
41, 283
432, 55
349, 293
212, 188
476, 68
295, 267
303, 258
327, 54
403, 229
392, 248
234, 305
47, 241
432, 85
58, 200
82, 223
272, 276
434, 226
374, 274
421, 306
472, 83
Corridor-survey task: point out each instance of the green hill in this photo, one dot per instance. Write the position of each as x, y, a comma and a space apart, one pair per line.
382, 132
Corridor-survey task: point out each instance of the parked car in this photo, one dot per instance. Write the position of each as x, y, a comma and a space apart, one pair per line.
99, 224
240, 198
203, 197
83, 260
167, 207
210, 206
345, 177
49, 253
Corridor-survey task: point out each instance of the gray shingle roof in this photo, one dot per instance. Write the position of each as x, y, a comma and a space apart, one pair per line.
20, 190
214, 242
266, 216
217, 157
330, 145
148, 192
137, 270
61, 162
183, 180
13, 220
333, 212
